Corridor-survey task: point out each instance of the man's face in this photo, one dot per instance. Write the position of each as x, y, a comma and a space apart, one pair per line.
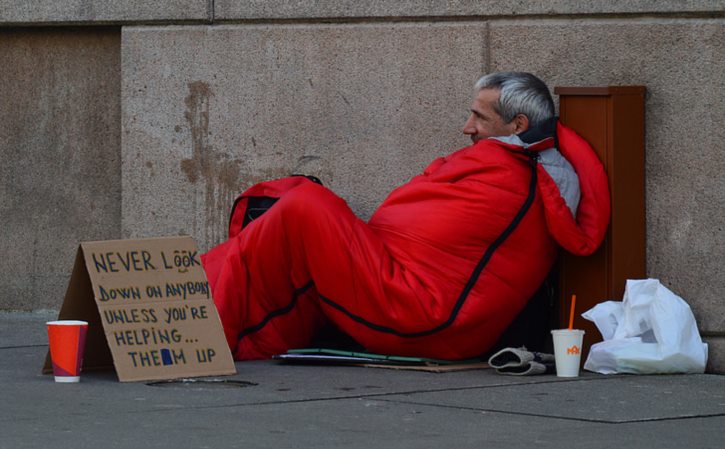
484, 121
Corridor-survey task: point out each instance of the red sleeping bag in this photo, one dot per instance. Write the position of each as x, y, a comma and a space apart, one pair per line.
440, 269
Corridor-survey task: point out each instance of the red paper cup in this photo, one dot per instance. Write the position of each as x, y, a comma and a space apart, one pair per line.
67, 343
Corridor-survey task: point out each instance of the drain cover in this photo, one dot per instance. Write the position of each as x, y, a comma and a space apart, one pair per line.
202, 383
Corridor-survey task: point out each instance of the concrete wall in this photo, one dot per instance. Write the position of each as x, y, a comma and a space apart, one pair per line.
211, 110
681, 63
216, 95
60, 153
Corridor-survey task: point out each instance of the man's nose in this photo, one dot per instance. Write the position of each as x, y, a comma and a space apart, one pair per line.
469, 128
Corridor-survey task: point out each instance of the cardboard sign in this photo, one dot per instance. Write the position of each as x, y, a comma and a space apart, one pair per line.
149, 309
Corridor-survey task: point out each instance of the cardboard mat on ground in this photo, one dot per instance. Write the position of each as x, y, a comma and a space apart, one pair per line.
324, 356
149, 309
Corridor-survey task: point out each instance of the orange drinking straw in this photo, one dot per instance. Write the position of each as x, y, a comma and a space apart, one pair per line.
571, 312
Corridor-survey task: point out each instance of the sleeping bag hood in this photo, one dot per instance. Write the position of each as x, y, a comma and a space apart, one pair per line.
579, 227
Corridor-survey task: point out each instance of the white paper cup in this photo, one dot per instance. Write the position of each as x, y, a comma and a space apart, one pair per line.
568, 351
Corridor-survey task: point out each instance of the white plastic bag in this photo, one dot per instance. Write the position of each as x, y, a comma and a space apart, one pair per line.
651, 331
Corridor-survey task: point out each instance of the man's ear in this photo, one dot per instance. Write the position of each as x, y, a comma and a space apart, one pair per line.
521, 123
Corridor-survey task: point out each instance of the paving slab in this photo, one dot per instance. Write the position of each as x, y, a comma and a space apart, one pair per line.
255, 383
350, 423
25, 328
616, 399
279, 405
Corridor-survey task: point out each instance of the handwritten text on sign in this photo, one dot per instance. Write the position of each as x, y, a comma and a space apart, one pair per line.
143, 261
156, 308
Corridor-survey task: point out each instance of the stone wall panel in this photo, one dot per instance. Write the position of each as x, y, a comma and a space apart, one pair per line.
208, 111
681, 64
285, 9
88, 12
60, 176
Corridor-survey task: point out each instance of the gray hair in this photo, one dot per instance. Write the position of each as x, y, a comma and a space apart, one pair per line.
521, 93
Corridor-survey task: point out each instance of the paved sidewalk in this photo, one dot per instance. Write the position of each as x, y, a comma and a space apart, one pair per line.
272, 405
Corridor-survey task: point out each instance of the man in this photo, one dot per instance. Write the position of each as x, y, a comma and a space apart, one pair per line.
445, 263
508, 103
511, 103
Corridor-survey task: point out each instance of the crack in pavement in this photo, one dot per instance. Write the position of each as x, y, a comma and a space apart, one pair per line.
567, 418
374, 395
